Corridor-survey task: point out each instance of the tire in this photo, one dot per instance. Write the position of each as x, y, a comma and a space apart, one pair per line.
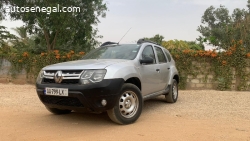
172, 96
58, 111
128, 106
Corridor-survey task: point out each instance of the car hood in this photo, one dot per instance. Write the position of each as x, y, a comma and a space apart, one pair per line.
84, 64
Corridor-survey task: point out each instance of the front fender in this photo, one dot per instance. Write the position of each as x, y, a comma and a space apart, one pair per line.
122, 71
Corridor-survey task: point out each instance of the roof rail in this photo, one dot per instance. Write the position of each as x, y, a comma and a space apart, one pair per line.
108, 43
140, 41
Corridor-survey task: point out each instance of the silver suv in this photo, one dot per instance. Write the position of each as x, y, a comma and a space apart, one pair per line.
116, 78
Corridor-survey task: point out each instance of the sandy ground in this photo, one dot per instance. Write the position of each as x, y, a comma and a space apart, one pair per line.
197, 116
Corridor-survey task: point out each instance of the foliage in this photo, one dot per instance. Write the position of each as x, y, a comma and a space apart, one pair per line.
188, 61
222, 30
180, 44
33, 63
157, 39
4, 36
219, 28
4, 47
55, 30
24, 42
195, 46
220, 64
177, 44
22, 33
1, 14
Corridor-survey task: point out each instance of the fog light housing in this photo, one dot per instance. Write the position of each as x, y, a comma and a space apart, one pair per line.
85, 82
104, 102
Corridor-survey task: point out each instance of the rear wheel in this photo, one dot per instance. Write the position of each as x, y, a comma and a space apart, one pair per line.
128, 107
58, 111
172, 96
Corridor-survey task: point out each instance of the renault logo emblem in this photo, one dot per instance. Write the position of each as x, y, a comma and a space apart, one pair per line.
58, 77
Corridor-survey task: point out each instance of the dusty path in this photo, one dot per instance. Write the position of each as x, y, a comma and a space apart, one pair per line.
197, 116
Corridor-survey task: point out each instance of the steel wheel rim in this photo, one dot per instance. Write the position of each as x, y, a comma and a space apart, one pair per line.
175, 91
128, 104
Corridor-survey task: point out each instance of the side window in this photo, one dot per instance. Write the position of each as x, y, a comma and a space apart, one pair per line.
161, 55
148, 52
168, 56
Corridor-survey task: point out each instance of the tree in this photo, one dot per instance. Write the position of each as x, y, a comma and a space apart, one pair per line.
23, 42
175, 44
22, 34
219, 28
5, 36
195, 46
157, 38
1, 9
180, 44
67, 29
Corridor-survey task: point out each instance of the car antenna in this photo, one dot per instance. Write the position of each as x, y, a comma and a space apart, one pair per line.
124, 36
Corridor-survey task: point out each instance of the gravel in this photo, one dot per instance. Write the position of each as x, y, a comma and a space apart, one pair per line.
196, 104
197, 115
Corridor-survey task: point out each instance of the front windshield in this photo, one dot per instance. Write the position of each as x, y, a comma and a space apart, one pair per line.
126, 51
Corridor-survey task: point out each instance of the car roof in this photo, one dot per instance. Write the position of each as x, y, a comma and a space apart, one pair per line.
140, 41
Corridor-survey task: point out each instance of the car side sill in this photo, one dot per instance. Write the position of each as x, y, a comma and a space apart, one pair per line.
153, 95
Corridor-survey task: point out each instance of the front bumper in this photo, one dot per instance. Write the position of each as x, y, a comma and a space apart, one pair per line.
82, 97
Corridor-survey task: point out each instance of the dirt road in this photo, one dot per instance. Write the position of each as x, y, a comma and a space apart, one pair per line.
197, 116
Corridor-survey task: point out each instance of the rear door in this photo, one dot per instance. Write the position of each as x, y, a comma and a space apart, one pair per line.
164, 68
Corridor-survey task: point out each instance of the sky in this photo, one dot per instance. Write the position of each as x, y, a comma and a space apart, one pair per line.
174, 19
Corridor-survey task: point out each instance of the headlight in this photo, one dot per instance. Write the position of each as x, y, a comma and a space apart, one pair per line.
92, 76
40, 77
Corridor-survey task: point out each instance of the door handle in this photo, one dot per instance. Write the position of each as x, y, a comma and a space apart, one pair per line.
168, 68
157, 70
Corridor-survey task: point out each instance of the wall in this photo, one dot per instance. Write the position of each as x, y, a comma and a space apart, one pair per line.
193, 83
208, 81
6, 78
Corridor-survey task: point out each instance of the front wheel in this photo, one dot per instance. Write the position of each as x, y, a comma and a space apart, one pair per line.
128, 107
58, 111
172, 96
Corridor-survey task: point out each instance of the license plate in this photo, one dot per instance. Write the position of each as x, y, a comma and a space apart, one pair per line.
56, 91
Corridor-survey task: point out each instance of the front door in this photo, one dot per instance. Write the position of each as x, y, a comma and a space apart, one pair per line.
149, 72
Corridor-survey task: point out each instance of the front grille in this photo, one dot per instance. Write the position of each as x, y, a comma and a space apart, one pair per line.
69, 76
72, 71
63, 101
45, 80
64, 81
52, 72
70, 81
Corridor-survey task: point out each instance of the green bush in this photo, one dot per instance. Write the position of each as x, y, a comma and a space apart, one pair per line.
33, 63
221, 64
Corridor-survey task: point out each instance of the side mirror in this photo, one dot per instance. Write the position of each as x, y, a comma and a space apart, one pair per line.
147, 60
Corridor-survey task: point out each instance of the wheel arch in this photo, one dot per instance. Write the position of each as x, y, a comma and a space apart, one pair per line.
134, 80
176, 77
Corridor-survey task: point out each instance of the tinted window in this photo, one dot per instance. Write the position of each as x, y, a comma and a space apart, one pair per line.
128, 52
168, 56
148, 52
161, 55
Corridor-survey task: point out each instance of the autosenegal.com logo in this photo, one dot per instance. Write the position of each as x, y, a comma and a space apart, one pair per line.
48, 10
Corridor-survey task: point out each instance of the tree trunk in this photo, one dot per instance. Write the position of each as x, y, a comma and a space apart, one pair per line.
53, 44
47, 38
50, 45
